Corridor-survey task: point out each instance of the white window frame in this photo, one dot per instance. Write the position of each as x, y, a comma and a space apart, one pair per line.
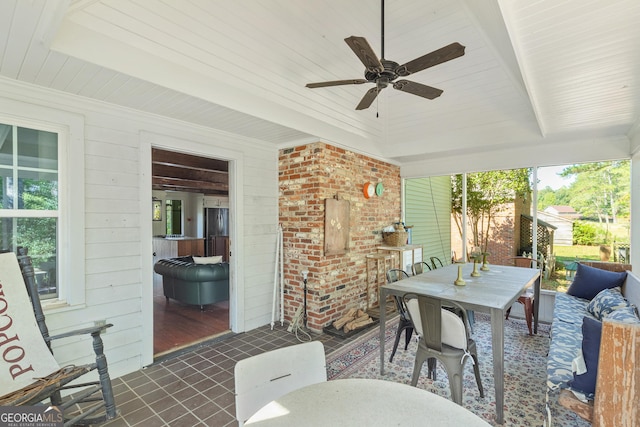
71, 212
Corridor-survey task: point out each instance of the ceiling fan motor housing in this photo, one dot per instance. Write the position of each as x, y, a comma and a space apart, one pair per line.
388, 74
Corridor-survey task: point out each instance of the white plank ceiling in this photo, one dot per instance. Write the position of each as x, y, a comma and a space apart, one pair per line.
533, 71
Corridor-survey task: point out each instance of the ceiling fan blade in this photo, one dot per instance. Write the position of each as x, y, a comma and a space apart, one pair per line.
365, 53
417, 89
444, 54
368, 98
337, 83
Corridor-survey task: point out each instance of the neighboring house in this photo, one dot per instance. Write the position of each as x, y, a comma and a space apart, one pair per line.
508, 237
563, 211
563, 235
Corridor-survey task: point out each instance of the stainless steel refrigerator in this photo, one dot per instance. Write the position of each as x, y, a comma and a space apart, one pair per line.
216, 229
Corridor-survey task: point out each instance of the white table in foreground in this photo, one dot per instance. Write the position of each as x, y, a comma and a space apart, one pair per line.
363, 402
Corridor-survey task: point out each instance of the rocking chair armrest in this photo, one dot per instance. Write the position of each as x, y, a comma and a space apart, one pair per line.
91, 330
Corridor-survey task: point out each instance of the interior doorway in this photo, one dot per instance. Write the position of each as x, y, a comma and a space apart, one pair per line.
183, 186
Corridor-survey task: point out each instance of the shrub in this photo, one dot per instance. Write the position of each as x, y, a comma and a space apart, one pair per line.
584, 233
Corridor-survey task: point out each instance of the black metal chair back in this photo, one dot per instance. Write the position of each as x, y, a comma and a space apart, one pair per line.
404, 324
435, 262
419, 267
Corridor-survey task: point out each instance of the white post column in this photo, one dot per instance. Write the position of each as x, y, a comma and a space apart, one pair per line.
635, 211
464, 217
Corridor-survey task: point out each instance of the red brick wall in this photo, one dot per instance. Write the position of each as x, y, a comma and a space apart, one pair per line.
504, 236
308, 175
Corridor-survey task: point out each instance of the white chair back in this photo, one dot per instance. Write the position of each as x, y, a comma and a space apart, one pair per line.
267, 376
454, 333
452, 327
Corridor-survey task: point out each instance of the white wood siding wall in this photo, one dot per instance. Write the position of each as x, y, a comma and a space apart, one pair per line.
118, 226
428, 209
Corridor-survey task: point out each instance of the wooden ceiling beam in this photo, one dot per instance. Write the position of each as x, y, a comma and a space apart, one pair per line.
187, 173
188, 160
172, 171
188, 185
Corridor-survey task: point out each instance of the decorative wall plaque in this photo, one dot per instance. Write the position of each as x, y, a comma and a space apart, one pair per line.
336, 226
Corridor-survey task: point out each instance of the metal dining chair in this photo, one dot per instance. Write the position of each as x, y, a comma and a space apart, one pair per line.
526, 298
418, 267
443, 337
435, 262
405, 323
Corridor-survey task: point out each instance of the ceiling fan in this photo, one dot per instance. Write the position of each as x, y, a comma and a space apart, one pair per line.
383, 72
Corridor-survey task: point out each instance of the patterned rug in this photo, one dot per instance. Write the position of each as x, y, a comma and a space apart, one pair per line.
525, 371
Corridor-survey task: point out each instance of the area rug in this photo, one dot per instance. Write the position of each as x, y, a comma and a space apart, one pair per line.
525, 372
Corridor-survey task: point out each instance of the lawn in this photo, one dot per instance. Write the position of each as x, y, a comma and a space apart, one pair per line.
566, 254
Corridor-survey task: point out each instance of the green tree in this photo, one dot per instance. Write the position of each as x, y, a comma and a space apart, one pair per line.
38, 234
601, 190
563, 196
487, 194
546, 198
550, 197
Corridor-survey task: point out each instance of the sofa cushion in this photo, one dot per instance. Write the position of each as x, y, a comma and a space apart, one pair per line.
605, 302
566, 336
589, 281
207, 259
591, 334
628, 314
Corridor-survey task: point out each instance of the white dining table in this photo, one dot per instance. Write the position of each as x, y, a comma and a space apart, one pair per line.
493, 291
363, 402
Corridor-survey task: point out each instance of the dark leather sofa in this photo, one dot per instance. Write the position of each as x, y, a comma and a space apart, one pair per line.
191, 283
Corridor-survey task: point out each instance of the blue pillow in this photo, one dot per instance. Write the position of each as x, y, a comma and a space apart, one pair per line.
591, 335
589, 281
605, 302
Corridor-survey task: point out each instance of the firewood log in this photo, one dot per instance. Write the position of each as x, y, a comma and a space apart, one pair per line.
357, 324
348, 317
349, 325
361, 318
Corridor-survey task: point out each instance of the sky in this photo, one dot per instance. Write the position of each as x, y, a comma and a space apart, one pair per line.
548, 176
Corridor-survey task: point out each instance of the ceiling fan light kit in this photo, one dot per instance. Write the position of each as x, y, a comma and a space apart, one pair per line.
383, 72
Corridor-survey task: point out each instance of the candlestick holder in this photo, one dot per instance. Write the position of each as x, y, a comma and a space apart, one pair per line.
485, 265
475, 272
459, 281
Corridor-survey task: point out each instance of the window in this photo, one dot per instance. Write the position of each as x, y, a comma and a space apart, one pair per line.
29, 199
174, 217
26, 129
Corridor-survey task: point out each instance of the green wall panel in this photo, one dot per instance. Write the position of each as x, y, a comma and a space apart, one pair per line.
428, 209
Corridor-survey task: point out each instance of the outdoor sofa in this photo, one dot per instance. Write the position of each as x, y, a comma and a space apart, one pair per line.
594, 335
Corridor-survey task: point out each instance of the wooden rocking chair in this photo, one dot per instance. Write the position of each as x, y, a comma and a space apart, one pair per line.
28, 372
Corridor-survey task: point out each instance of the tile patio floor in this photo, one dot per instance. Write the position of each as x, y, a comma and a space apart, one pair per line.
196, 388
